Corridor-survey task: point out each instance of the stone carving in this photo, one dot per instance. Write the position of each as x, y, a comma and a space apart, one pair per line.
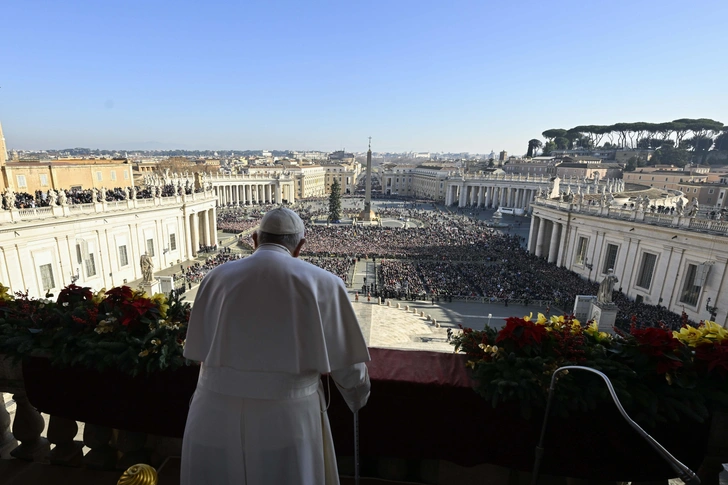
62, 199
126, 193
679, 206
147, 268
52, 196
694, 206
604, 294
133, 192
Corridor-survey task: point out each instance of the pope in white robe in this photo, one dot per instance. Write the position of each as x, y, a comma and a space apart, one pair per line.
266, 328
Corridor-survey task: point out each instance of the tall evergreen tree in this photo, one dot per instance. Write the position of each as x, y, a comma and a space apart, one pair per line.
335, 202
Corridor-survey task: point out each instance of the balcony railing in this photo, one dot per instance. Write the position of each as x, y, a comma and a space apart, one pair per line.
701, 222
68, 210
423, 423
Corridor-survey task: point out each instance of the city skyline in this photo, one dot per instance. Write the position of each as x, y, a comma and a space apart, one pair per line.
416, 77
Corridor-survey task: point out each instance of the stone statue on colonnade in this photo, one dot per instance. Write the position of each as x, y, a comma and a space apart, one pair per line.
606, 287
147, 268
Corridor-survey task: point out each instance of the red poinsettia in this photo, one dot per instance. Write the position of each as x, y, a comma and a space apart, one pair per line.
658, 343
715, 356
521, 332
74, 294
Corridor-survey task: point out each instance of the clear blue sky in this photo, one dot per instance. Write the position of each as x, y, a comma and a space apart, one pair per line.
415, 75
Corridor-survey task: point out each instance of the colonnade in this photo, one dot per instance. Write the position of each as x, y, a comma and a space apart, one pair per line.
492, 196
200, 229
245, 193
546, 239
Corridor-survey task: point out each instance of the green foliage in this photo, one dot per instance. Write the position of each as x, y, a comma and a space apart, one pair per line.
668, 155
548, 148
533, 146
655, 374
121, 329
335, 201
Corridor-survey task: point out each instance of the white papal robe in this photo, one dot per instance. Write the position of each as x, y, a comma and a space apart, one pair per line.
266, 328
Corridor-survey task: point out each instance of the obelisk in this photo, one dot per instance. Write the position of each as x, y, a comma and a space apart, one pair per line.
368, 214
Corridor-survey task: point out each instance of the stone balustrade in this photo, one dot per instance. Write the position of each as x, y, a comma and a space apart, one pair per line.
69, 210
698, 223
110, 449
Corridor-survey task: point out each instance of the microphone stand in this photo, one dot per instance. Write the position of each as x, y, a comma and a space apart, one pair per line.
683, 472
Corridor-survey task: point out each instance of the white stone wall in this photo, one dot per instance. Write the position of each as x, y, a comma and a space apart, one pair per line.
676, 241
31, 241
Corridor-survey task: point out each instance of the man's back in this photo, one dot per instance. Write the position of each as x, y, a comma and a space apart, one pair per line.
270, 312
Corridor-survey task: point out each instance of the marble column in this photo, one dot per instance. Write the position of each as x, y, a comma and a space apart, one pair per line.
535, 223
188, 236
206, 227
540, 237
195, 233
481, 196
553, 244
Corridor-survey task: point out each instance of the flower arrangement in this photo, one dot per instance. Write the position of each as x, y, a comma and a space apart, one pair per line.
659, 375
122, 328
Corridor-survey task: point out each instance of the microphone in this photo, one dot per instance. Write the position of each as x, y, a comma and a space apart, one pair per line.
683, 472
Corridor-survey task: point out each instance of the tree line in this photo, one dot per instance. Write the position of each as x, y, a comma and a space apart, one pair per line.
676, 137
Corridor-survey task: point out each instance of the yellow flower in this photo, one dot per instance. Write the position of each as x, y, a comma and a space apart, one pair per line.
99, 296
470, 363
541, 319
104, 327
144, 353
528, 318
4, 295
161, 301
156, 341
690, 336
714, 332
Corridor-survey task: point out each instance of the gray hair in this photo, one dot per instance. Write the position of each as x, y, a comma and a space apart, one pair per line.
289, 241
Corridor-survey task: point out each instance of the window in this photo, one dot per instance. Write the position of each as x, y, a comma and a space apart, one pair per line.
611, 258
113, 175
79, 257
691, 289
21, 181
581, 250
126, 175
710, 191
150, 247
173, 242
90, 265
46, 277
123, 256
644, 279
720, 196
43, 180
710, 199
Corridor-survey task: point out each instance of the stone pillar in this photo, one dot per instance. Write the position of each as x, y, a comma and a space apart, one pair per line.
27, 427
562, 245
195, 233
463, 196
188, 236
67, 451
213, 222
533, 233
503, 202
279, 193
539, 237
7, 440
488, 196
206, 227
553, 244
268, 196
481, 196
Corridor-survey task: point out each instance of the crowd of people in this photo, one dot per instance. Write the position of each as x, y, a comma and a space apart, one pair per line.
24, 200
447, 255
195, 273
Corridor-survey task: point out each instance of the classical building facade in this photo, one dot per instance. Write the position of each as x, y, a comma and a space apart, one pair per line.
99, 245
258, 187
66, 174
668, 259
